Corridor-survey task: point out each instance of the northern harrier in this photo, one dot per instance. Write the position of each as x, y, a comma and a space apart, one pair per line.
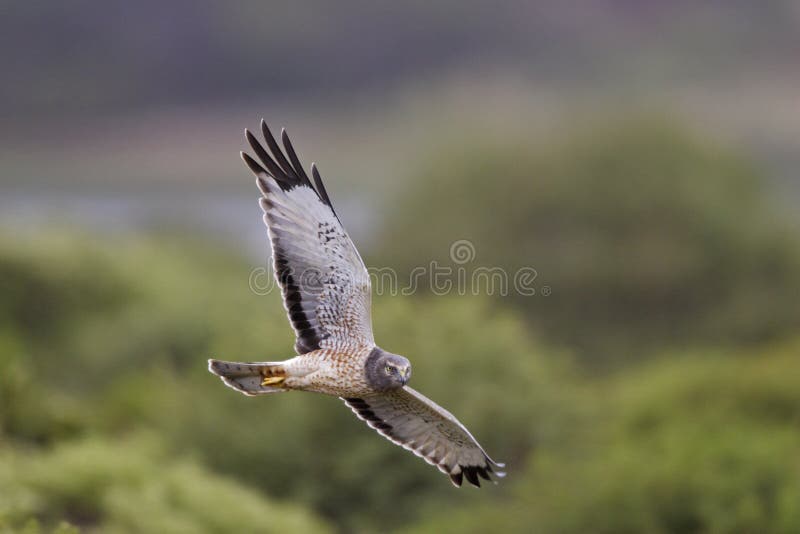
326, 293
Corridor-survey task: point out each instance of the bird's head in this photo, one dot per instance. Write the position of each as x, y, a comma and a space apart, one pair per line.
385, 370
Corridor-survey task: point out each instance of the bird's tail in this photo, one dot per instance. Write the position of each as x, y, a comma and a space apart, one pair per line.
250, 378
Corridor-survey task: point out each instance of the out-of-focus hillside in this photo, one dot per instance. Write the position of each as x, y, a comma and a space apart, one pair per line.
110, 422
124, 115
87, 57
645, 235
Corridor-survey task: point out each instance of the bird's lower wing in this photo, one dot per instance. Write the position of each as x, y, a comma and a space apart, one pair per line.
411, 420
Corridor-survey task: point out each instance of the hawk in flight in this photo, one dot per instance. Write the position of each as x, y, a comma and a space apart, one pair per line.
326, 293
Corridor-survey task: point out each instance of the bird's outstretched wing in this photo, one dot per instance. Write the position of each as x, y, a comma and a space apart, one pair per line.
326, 288
418, 424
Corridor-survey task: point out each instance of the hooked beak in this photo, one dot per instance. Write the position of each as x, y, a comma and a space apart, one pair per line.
406, 375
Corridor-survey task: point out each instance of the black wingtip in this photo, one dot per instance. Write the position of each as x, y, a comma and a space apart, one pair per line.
251, 139
286, 169
483, 473
472, 476
255, 168
323, 194
290, 152
457, 479
277, 152
255, 145
284, 179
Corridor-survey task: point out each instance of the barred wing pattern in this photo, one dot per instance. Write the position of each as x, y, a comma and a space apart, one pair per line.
411, 420
325, 285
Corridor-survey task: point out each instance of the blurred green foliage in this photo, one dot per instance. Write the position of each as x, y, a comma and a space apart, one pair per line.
131, 359
109, 421
128, 486
647, 236
690, 444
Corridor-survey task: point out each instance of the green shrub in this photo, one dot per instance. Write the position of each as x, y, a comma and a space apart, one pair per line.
113, 424
693, 444
646, 236
133, 486
142, 366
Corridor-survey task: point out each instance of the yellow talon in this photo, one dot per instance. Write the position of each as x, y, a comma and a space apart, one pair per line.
272, 381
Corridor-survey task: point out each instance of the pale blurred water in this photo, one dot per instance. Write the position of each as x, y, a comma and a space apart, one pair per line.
232, 218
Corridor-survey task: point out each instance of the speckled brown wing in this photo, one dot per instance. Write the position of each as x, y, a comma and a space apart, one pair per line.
325, 285
418, 424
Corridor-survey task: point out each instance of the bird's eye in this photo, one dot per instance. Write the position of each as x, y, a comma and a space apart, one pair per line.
388, 369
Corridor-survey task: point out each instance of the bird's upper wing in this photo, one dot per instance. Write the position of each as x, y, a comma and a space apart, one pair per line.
418, 424
326, 288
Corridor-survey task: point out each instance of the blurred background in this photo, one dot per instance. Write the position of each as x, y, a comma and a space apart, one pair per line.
641, 157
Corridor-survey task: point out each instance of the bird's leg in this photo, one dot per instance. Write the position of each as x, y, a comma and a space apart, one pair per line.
273, 376
272, 380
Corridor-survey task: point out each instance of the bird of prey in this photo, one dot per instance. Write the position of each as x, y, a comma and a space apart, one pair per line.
326, 293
